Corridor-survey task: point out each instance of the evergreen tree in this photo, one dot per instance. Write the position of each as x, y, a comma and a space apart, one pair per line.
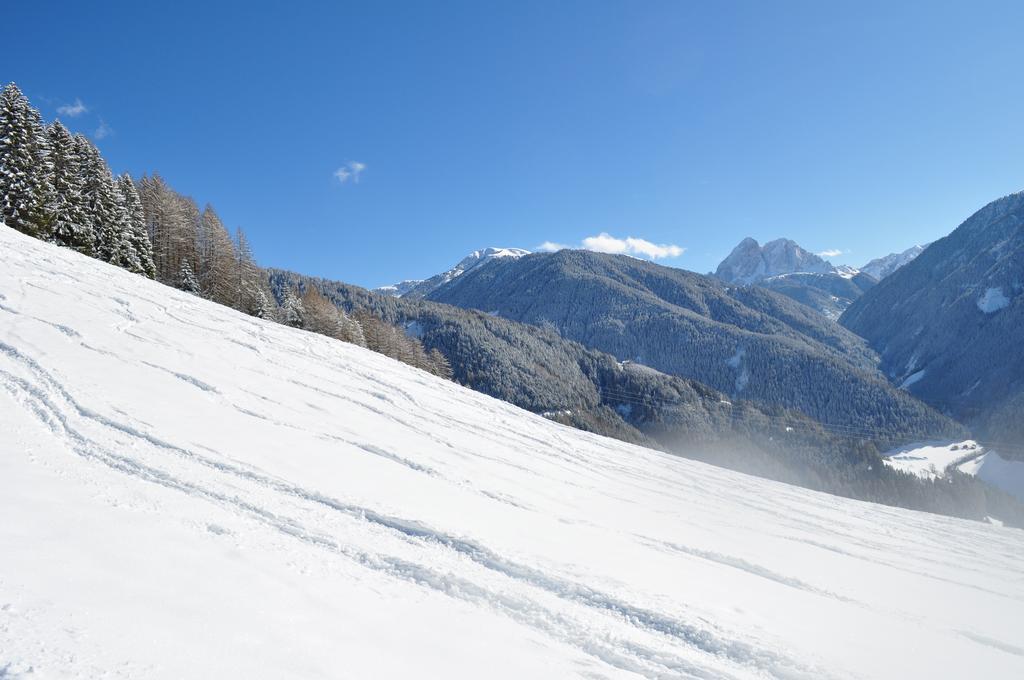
24, 165
68, 223
292, 310
103, 211
187, 280
138, 237
261, 307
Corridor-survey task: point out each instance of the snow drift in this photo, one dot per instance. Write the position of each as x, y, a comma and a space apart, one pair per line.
189, 492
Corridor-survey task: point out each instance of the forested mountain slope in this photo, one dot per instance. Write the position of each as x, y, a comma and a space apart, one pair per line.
830, 294
948, 325
744, 341
171, 470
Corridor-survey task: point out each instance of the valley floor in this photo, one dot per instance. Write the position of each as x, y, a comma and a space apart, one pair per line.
189, 492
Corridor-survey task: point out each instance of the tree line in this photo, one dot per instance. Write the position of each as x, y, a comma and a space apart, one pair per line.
56, 186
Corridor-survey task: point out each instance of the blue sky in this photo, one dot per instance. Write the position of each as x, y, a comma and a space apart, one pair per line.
860, 127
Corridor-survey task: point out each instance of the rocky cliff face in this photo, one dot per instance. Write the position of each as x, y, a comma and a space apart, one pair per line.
750, 262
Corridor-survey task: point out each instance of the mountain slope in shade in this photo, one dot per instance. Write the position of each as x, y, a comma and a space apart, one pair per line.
882, 267
829, 293
948, 324
745, 341
190, 492
478, 258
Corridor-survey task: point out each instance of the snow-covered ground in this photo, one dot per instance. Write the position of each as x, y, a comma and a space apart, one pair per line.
930, 460
186, 492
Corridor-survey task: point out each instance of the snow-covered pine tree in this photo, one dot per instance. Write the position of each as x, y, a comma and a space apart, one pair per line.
351, 330
25, 188
138, 237
67, 220
103, 210
187, 280
292, 310
261, 307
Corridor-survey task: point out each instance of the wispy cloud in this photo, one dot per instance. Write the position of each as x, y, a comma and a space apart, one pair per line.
103, 130
350, 172
73, 110
606, 243
831, 252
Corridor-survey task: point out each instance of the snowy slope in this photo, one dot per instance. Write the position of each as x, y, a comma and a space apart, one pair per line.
187, 492
1008, 475
931, 460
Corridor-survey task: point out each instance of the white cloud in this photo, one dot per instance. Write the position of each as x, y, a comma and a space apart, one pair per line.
103, 130
831, 252
73, 110
606, 243
350, 171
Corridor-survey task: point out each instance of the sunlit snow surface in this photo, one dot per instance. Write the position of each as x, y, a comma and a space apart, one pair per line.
186, 492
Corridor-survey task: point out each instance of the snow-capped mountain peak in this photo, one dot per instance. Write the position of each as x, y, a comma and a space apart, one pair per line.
750, 262
884, 266
477, 258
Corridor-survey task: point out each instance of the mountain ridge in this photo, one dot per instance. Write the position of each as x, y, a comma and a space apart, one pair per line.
737, 339
947, 324
419, 288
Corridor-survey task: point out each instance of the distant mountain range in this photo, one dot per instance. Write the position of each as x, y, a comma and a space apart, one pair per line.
744, 341
941, 322
783, 266
780, 265
948, 325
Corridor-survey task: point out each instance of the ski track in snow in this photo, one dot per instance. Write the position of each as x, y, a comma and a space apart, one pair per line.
481, 541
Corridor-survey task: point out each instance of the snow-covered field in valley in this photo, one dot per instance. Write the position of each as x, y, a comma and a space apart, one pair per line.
931, 460
187, 492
